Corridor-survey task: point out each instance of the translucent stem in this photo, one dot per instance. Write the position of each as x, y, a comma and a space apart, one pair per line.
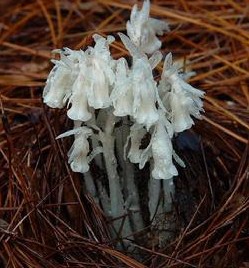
169, 191
155, 202
90, 186
116, 196
104, 198
132, 198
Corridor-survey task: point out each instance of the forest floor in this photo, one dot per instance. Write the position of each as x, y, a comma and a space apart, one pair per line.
46, 218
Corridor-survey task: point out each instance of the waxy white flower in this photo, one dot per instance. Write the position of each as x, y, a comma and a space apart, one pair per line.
122, 93
77, 155
61, 78
143, 85
142, 29
99, 74
182, 99
162, 152
79, 102
144, 90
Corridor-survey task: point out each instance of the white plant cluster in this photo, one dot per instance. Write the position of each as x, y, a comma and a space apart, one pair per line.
100, 91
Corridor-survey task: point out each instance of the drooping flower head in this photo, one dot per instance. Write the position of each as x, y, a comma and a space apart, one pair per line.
122, 93
100, 75
162, 151
143, 85
77, 155
144, 88
78, 99
61, 78
182, 99
94, 79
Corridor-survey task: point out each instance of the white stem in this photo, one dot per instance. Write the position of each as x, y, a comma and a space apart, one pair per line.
77, 123
95, 143
155, 202
104, 198
169, 191
116, 196
90, 186
132, 197
166, 221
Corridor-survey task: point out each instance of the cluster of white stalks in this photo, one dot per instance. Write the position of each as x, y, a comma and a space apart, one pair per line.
114, 106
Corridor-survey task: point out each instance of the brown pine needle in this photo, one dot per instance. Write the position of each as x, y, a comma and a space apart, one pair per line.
47, 219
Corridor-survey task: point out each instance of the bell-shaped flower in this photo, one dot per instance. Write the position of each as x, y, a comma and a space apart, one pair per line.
162, 152
79, 104
182, 99
144, 91
181, 106
100, 75
143, 84
78, 153
61, 78
142, 29
122, 93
